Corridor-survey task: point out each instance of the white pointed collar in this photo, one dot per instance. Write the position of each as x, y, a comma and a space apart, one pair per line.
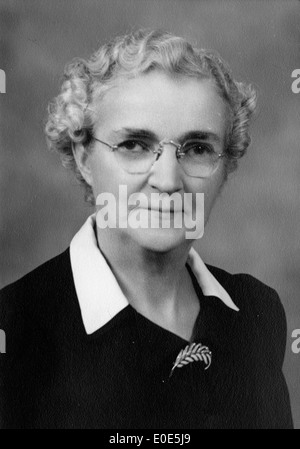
99, 294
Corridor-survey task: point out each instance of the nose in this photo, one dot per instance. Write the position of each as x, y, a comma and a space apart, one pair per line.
166, 173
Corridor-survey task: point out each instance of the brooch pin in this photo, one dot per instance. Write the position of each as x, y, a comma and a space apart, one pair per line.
193, 353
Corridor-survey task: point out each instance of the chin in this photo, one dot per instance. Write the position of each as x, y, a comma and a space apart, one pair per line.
159, 240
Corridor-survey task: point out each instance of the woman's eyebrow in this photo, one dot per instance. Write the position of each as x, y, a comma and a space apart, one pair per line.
135, 132
201, 135
146, 133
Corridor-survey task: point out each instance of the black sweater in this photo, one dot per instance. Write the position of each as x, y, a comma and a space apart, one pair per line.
54, 375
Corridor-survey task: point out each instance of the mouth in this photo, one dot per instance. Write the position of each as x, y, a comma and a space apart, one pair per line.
161, 210
165, 211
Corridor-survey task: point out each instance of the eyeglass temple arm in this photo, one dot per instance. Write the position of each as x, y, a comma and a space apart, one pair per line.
112, 147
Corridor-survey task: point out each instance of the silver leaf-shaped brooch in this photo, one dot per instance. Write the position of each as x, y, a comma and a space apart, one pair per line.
193, 353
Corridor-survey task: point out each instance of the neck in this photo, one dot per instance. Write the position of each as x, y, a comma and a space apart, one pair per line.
151, 280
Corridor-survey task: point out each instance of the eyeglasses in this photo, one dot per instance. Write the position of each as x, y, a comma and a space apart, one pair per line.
197, 159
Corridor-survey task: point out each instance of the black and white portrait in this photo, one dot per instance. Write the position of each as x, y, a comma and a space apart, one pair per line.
149, 216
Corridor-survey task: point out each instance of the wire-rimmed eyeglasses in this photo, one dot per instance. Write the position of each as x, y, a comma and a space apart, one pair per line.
197, 159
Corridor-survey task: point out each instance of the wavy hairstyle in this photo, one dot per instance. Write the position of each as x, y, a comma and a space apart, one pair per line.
71, 118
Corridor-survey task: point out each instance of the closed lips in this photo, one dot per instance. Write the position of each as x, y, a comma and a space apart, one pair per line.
165, 210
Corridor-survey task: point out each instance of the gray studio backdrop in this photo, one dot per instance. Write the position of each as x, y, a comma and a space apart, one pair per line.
254, 227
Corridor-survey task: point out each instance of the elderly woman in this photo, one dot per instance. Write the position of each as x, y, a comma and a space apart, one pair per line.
128, 328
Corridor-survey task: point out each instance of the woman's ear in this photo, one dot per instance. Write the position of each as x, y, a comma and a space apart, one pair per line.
82, 159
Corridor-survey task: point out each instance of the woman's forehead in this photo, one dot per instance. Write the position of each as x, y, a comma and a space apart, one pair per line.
160, 101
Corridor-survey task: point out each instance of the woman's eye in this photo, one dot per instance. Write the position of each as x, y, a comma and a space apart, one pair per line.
198, 148
133, 146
